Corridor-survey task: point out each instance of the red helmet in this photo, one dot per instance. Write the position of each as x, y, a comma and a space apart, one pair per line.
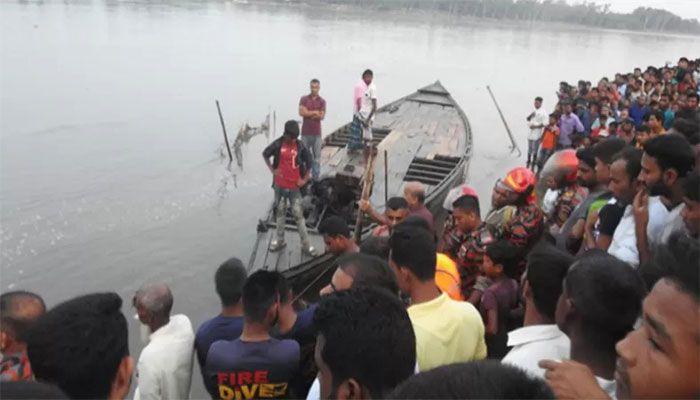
521, 180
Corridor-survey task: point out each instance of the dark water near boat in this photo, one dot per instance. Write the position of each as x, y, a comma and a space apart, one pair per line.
110, 167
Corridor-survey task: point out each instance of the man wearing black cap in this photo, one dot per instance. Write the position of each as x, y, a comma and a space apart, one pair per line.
291, 168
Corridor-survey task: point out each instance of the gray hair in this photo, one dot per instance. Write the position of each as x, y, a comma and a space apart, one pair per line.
155, 298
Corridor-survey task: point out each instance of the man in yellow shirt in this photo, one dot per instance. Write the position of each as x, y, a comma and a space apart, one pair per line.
447, 331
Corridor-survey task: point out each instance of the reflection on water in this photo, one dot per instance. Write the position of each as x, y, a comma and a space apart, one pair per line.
109, 167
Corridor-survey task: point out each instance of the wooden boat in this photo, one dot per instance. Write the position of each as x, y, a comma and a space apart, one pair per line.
427, 138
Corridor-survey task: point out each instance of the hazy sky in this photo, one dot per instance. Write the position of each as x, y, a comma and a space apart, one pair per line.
682, 8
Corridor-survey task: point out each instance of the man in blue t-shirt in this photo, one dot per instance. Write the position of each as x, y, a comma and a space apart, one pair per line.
638, 110
255, 366
298, 326
228, 325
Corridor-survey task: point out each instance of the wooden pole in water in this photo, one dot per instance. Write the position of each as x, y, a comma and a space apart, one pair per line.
514, 146
223, 127
386, 178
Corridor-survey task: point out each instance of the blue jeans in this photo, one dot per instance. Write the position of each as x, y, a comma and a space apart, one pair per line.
543, 157
532, 146
294, 197
313, 143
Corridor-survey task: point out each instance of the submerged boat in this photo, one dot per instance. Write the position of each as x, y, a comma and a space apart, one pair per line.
423, 137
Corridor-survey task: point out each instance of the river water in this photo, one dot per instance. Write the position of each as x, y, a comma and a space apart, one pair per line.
110, 165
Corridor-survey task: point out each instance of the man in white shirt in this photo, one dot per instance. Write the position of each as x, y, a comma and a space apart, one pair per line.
364, 108
667, 160
624, 186
540, 338
536, 121
164, 369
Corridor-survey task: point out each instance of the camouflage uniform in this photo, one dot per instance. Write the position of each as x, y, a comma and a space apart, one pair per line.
471, 256
15, 367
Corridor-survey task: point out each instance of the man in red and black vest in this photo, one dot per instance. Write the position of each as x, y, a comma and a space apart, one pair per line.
291, 168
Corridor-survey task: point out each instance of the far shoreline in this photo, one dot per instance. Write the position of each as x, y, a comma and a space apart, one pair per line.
445, 18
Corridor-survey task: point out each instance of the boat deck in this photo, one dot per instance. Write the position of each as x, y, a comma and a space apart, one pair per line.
426, 137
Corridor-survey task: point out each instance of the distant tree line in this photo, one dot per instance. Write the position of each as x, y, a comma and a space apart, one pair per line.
586, 13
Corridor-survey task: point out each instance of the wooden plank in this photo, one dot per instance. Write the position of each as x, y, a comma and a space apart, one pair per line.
327, 153
435, 102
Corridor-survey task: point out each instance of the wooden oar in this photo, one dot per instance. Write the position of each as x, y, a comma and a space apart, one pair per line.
368, 181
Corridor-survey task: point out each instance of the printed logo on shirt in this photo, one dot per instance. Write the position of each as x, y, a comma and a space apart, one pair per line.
249, 385
293, 152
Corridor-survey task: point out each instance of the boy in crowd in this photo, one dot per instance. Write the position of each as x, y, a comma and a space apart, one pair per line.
500, 263
550, 137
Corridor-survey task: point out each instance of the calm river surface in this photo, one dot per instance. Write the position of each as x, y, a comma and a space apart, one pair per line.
110, 173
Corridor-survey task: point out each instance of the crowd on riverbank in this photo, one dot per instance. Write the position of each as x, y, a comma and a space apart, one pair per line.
586, 293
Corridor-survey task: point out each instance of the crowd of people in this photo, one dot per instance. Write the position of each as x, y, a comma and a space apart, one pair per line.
592, 291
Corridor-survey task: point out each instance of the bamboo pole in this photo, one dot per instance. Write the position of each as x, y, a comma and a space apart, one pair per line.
386, 178
366, 189
514, 145
223, 127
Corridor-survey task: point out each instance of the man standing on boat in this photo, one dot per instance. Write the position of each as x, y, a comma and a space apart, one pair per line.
364, 108
290, 167
312, 108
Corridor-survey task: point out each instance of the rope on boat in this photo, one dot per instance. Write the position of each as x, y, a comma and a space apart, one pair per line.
313, 282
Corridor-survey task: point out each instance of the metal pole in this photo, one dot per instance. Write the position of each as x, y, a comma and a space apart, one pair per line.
514, 146
223, 127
